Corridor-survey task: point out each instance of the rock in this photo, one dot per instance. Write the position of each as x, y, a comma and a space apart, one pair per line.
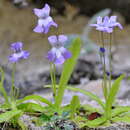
89, 7
86, 7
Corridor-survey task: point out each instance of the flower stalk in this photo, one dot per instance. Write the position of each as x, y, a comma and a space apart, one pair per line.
110, 60
53, 79
105, 90
13, 83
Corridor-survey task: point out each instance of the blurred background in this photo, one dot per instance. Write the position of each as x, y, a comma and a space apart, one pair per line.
73, 17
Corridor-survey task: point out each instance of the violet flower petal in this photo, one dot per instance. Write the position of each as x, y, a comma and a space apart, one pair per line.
42, 13
59, 60
25, 55
46, 10
62, 39
113, 19
94, 25
119, 25
99, 20
67, 54
52, 23
17, 46
38, 12
13, 58
53, 40
51, 56
38, 29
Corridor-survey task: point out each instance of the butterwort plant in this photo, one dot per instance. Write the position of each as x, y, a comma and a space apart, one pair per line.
58, 55
106, 26
18, 54
11, 112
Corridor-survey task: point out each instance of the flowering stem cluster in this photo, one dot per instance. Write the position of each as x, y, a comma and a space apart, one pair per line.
106, 26
58, 54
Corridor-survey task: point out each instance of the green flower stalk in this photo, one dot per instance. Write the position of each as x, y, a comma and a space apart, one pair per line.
102, 50
53, 78
110, 61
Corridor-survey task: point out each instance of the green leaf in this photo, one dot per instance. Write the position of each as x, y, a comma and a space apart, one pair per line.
112, 95
95, 123
45, 117
36, 98
4, 117
125, 119
80, 121
119, 110
92, 96
67, 70
75, 103
31, 107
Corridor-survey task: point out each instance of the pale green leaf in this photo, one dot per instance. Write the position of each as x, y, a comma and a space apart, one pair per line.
75, 103
112, 95
92, 96
67, 70
31, 107
119, 110
125, 119
96, 122
36, 98
4, 117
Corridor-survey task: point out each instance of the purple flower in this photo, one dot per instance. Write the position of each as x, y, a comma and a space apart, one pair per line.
58, 54
45, 21
108, 73
107, 24
102, 50
18, 52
